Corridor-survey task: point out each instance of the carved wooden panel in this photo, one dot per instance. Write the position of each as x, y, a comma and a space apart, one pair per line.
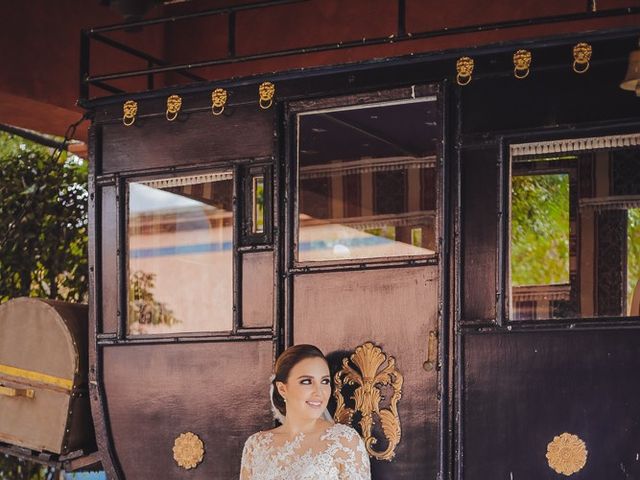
394, 309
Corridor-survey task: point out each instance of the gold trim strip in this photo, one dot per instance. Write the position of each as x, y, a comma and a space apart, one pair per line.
36, 376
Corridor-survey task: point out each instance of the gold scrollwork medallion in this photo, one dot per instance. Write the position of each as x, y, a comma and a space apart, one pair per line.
174, 104
218, 101
370, 370
464, 67
266, 91
521, 64
188, 450
129, 112
581, 57
567, 454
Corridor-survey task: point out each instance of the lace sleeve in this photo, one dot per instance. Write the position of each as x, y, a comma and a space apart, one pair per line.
352, 457
246, 466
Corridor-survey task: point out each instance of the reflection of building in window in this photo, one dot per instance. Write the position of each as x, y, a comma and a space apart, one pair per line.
367, 181
180, 234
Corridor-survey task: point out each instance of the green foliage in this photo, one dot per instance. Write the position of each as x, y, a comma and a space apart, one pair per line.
143, 307
14, 469
633, 251
43, 222
43, 240
540, 229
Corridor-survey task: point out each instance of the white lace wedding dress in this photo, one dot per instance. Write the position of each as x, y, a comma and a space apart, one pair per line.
338, 455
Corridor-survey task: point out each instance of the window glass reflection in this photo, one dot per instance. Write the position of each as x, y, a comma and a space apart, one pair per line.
180, 234
575, 233
367, 181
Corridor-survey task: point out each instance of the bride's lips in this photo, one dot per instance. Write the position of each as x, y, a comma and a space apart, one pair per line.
314, 404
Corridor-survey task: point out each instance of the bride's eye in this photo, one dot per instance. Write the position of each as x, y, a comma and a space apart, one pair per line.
305, 381
326, 381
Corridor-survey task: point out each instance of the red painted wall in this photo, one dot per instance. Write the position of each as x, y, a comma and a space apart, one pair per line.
39, 72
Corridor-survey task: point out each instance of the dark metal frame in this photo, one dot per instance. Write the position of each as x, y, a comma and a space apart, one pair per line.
401, 35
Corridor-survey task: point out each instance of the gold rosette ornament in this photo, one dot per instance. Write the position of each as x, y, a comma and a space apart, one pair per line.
464, 67
567, 454
266, 91
521, 64
581, 57
188, 450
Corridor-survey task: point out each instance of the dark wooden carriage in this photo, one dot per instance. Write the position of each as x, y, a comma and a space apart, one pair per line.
370, 209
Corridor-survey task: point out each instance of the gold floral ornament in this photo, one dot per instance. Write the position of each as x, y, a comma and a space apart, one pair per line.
521, 64
129, 112
464, 67
218, 101
174, 104
370, 370
567, 454
188, 450
266, 91
581, 57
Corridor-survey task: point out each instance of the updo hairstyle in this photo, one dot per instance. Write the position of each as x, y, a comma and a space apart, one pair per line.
286, 361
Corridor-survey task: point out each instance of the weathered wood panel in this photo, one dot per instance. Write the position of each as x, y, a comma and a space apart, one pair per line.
395, 309
257, 289
522, 390
156, 392
109, 261
193, 138
479, 233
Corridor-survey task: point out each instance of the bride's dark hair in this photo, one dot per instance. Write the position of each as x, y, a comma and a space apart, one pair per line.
286, 361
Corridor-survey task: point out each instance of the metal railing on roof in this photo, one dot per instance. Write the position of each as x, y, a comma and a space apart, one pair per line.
157, 66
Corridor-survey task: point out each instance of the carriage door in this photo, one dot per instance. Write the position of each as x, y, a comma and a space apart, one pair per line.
364, 264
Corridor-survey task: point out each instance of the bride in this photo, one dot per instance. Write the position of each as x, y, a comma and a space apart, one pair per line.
308, 445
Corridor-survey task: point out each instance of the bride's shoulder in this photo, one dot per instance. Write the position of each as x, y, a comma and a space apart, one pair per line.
258, 438
344, 432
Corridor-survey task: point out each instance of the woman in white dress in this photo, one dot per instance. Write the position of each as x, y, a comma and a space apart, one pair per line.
308, 445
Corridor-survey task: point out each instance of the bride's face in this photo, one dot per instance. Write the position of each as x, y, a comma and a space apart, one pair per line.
307, 390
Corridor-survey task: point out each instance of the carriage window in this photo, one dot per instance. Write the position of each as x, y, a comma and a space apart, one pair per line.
180, 235
367, 181
575, 230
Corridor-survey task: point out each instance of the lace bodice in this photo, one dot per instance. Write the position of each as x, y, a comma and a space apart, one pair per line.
338, 455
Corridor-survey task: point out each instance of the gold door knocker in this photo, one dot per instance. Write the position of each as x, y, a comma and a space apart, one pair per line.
581, 57
370, 370
464, 67
174, 104
129, 112
266, 91
567, 454
218, 101
521, 64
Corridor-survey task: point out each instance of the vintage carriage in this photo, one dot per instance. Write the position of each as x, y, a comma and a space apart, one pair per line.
459, 225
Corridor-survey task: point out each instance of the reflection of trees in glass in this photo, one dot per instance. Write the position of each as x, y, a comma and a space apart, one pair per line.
633, 251
386, 231
143, 307
540, 229
258, 204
